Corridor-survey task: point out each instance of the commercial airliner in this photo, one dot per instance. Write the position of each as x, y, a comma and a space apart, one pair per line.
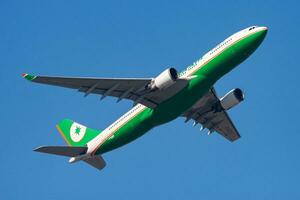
158, 100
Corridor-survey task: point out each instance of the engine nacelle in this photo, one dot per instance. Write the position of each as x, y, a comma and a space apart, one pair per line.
165, 79
232, 98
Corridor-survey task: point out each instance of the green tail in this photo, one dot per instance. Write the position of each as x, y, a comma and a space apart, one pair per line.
76, 134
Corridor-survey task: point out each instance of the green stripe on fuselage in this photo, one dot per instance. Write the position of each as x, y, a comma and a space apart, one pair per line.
207, 75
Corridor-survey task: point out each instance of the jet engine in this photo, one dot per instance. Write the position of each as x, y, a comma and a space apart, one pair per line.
232, 98
164, 79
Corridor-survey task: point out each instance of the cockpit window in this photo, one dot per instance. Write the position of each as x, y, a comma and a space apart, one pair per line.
251, 28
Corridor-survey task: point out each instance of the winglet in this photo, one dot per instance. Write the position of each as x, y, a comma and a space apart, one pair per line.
28, 76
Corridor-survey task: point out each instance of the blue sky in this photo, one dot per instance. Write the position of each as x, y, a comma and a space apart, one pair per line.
140, 39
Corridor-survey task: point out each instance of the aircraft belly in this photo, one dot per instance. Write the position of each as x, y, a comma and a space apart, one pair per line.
184, 100
150, 118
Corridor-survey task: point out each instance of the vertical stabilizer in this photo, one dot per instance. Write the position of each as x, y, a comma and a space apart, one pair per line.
76, 134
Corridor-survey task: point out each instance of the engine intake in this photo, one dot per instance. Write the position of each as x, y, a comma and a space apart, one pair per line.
164, 79
232, 98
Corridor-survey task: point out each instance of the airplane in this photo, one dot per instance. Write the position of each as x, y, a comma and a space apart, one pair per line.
158, 100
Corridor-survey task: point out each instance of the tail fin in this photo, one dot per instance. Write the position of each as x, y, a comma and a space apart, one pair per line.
76, 134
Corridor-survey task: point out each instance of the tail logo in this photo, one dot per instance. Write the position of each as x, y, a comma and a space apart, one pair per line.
77, 132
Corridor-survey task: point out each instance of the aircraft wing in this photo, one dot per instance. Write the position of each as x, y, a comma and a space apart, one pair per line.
123, 88
209, 112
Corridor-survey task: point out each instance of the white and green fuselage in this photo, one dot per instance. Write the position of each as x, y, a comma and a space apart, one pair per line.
206, 71
85, 143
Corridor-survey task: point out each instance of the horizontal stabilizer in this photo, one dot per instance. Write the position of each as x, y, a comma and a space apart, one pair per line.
62, 150
96, 161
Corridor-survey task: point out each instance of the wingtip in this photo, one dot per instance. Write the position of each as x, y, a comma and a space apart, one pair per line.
28, 76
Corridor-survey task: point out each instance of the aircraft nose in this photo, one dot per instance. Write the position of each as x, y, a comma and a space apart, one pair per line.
251, 43
257, 38
262, 33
